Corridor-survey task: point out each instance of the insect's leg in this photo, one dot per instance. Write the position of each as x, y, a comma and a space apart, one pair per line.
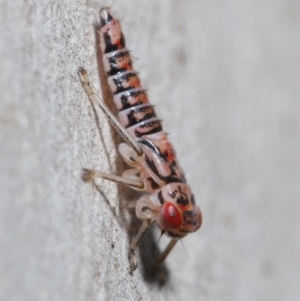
166, 252
85, 81
135, 243
145, 209
88, 174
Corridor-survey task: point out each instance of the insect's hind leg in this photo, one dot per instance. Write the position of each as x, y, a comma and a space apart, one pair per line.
85, 81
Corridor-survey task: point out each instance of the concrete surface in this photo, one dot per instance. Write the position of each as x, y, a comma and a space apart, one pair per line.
224, 76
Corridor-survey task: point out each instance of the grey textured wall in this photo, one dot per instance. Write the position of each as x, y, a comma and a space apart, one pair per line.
225, 78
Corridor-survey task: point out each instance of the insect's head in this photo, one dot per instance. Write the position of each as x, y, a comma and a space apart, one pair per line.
179, 214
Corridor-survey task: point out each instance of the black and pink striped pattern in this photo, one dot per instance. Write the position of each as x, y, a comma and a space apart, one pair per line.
136, 114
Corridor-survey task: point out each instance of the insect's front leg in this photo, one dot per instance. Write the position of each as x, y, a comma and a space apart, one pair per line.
135, 243
166, 252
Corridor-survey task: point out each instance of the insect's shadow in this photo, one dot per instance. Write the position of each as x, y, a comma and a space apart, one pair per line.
148, 248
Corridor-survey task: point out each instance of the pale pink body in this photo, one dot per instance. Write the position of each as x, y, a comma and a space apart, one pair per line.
170, 203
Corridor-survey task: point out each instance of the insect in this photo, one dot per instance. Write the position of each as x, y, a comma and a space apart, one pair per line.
169, 201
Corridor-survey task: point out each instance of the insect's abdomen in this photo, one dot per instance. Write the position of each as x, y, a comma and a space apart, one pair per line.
136, 114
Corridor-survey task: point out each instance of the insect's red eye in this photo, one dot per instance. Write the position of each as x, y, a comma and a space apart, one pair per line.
172, 217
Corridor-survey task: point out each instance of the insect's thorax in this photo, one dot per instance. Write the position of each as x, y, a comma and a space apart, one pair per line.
160, 165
